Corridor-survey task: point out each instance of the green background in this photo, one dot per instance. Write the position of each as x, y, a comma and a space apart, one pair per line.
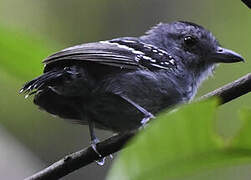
31, 30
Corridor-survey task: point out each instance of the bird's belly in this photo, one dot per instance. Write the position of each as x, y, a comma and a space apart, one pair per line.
105, 107
111, 112
153, 91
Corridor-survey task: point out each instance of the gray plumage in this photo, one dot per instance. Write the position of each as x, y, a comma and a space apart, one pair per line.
115, 84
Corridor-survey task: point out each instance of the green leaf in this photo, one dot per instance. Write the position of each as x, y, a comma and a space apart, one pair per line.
243, 139
21, 55
178, 145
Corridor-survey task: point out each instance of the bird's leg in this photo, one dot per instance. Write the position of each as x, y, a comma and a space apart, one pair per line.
94, 141
147, 115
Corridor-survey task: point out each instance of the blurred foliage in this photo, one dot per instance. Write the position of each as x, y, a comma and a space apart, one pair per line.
20, 53
242, 141
31, 30
182, 144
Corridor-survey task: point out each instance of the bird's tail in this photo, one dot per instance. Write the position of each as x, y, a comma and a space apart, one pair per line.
50, 78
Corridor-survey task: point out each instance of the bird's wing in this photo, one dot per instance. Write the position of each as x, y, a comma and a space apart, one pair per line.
123, 53
100, 52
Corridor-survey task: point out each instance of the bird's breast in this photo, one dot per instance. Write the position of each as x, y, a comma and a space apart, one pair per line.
151, 90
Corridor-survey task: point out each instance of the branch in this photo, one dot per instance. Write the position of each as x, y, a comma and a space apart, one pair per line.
247, 2
232, 90
115, 143
82, 158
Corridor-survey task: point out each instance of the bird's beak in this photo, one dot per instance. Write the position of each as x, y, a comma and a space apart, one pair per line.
223, 55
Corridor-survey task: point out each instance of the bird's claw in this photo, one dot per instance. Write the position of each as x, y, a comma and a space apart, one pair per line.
146, 119
94, 146
101, 160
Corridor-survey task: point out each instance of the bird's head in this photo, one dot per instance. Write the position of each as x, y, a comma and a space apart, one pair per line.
197, 48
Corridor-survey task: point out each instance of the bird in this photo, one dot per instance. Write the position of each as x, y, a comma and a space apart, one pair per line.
122, 83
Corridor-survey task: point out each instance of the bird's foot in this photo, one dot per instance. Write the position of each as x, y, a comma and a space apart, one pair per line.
146, 119
101, 160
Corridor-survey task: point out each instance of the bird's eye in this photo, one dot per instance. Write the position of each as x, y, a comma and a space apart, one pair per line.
190, 41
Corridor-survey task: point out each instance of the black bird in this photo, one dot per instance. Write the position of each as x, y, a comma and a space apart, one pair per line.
120, 84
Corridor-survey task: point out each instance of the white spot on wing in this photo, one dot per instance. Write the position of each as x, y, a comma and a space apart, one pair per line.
159, 66
128, 41
73, 47
137, 52
150, 59
172, 61
124, 47
141, 55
